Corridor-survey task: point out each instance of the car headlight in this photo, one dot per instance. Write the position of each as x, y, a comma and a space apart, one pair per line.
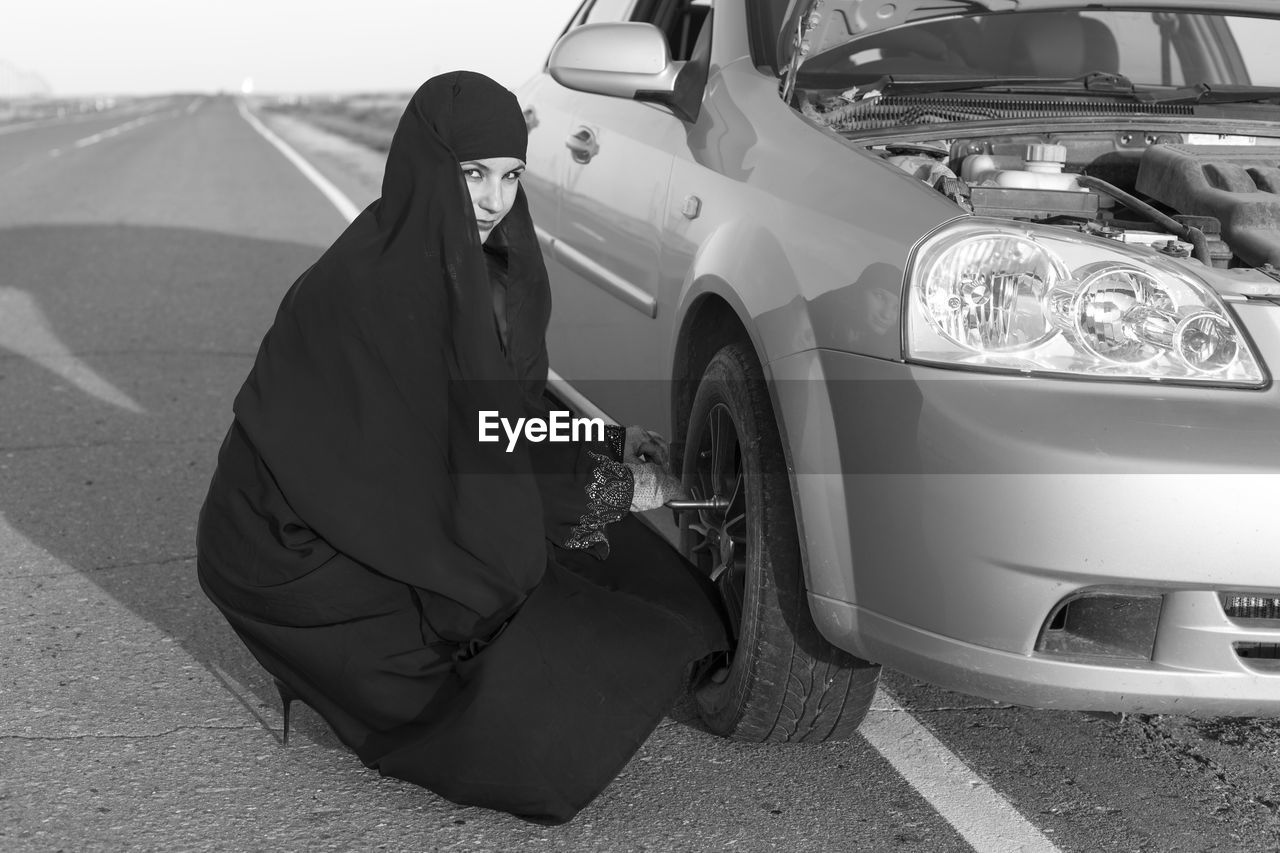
1003, 296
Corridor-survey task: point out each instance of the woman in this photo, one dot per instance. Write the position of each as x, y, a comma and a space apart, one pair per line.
461, 615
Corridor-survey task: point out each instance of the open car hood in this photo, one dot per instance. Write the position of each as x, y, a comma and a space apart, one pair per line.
812, 26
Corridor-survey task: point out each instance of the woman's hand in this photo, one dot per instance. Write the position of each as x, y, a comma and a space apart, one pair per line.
654, 486
647, 455
645, 445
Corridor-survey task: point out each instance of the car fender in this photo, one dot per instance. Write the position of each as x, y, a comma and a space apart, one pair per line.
738, 253
791, 299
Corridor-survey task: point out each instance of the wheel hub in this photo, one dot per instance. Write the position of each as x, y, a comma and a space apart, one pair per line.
718, 534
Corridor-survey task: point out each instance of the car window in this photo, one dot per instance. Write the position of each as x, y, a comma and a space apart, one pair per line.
597, 12
1152, 48
764, 21
1141, 52
680, 20
684, 29
604, 11
1257, 39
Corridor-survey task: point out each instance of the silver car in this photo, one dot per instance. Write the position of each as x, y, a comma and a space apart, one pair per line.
961, 314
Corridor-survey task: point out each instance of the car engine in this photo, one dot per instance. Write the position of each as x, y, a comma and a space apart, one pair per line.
1183, 194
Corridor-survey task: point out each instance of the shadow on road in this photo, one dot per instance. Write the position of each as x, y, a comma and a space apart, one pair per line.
170, 318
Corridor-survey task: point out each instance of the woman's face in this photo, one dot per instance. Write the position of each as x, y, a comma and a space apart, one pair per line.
493, 182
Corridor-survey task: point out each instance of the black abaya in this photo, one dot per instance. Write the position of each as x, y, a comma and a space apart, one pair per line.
411, 583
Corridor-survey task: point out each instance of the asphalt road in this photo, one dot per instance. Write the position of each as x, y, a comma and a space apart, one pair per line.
142, 255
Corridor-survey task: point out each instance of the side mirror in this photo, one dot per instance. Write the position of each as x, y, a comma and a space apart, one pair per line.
624, 60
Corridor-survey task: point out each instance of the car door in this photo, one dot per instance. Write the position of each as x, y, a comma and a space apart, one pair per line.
608, 334
548, 111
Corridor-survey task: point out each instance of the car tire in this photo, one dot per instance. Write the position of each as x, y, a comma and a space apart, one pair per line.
782, 682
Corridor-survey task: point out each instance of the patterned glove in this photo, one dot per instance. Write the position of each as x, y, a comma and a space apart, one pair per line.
645, 445
654, 486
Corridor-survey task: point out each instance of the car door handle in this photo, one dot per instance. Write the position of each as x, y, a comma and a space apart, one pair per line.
582, 143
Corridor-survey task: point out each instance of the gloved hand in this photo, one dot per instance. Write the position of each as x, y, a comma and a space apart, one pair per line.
654, 486
645, 445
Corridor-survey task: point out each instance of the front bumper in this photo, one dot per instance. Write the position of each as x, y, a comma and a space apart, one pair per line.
945, 515
1194, 670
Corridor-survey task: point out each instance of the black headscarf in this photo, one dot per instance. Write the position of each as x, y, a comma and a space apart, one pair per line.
486, 120
364, 397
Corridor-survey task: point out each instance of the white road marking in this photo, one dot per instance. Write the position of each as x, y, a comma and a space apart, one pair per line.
115, 131
982, 816
25, 330
45, 122
985, 819
348, 210
94, 139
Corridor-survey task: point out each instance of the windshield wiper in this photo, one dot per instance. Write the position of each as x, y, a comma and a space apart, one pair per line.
1203, 93
1095, 82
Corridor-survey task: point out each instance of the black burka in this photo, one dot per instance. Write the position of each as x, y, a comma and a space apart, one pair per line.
398, 573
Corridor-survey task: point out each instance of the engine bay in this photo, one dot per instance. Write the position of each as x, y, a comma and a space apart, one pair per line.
1212, 197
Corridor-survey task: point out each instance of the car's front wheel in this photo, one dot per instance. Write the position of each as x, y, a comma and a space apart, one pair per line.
783, 681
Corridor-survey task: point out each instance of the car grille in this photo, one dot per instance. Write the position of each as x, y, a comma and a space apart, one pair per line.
1261, 651
1246, 606
1260, 657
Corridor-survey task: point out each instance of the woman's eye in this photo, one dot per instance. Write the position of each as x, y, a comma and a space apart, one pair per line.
514, 176
472, 174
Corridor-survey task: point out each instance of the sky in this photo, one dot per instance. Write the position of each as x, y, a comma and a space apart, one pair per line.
89, 47
95, 47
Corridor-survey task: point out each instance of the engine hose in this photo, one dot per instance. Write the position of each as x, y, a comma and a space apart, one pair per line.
1194, 236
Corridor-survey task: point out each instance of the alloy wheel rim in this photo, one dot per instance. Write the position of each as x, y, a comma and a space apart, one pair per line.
719, 536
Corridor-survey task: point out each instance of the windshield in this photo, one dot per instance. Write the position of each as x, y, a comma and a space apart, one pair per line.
1153, 49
